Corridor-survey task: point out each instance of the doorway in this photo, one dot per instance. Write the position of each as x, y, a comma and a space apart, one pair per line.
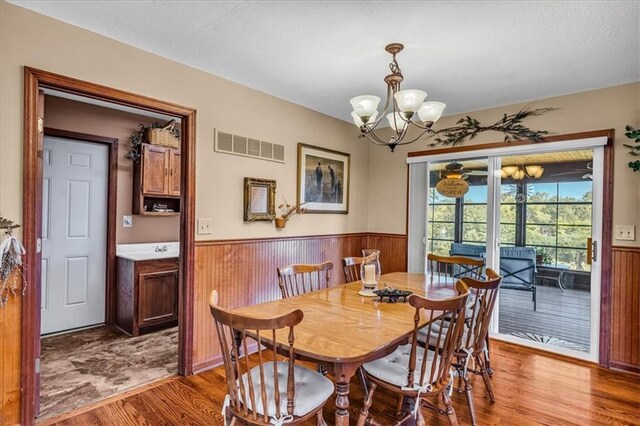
536, 215
34, 82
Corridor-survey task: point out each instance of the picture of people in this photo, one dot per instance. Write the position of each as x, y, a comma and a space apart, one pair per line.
323, 175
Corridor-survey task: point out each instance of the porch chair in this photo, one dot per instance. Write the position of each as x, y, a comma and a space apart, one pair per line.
473, 344
271, 392
420, 373
300, 278
445, 270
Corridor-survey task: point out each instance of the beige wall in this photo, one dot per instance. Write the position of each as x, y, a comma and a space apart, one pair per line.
612, 107
27, 38
65, 114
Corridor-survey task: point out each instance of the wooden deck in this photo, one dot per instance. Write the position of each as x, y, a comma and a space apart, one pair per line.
531, 388
564, 316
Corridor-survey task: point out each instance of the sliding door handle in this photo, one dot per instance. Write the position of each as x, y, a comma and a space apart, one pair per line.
592, 251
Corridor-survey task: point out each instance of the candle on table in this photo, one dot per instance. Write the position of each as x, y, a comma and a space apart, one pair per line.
369, 274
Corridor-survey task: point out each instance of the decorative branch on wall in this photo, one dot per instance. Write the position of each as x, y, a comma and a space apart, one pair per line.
510, 125
635, 149
11, 252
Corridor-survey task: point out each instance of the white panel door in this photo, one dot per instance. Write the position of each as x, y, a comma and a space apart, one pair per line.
74, 225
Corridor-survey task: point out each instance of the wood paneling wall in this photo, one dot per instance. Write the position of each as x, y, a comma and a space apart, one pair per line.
244, 273
625, 309
10, 361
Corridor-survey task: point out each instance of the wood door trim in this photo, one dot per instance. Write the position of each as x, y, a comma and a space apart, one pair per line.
34, 80
112, 192
608, 133
606, 273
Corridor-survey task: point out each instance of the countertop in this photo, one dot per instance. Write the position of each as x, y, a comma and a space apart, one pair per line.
148, 251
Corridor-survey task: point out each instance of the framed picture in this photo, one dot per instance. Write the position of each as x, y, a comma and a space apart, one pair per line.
323, 179
259, 199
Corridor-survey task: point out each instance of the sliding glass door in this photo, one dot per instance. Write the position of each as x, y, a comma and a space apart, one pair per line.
533, 217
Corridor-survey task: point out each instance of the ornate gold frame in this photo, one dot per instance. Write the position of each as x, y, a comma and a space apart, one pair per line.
250, 215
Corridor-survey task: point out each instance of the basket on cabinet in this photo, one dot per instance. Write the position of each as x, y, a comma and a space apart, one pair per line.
164, 136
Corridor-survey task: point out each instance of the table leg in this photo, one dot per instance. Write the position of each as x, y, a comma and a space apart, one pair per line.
343, 374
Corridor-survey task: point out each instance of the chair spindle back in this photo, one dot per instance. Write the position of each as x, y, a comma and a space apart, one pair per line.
446, 321
351, 268
299, 279
243, 392
447, 270
483, 295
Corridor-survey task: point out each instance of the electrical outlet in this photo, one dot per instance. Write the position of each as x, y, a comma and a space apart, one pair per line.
625, 232
127, 221
205, 226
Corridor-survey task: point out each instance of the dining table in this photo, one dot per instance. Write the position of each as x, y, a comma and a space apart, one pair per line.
341, 330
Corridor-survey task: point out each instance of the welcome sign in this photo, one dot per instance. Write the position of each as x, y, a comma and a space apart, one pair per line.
454, 188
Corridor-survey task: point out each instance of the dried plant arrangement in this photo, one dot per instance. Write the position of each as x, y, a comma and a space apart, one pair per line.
287, 211
11, 252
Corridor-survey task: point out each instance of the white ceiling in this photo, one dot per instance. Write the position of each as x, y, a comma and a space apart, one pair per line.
319, 54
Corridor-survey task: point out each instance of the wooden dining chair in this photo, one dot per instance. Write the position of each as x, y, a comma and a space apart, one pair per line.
473, 344
265, 391
351, 268
416, 372
445, 270
300, 278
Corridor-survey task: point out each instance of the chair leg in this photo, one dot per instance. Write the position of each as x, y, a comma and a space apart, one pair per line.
451, 413
469, 392
364, 413
487, 356
364, 383
485, 377
320, 417
399, 401
534, 298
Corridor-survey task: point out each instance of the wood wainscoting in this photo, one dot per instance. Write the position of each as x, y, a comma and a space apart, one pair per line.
244, 273
10, 361
625, 309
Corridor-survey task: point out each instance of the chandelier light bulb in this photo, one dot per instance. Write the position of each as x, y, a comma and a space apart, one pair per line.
431, 111
358, 121
409, 101
509, 170
398, 123
365, 106
534, 171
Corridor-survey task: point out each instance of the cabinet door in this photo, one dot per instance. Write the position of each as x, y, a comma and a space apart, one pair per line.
174, 174
157, 297
155, 170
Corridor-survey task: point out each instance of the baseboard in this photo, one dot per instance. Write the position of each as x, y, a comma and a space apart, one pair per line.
207, 364
623, 366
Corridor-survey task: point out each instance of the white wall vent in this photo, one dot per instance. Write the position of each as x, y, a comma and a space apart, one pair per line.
247, 147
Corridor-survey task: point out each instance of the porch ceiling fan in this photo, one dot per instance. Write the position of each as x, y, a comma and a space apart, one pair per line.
455, 170
587, 173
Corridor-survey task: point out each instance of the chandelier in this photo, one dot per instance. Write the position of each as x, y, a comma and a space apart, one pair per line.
401, 105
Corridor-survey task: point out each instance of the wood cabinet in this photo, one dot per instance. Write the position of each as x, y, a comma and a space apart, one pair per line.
156, 180
146, 295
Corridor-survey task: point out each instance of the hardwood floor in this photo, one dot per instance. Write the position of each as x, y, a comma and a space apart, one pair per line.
531, 388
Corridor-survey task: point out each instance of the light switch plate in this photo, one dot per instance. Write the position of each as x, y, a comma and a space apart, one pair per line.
625, 232
127, 221
205, 226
